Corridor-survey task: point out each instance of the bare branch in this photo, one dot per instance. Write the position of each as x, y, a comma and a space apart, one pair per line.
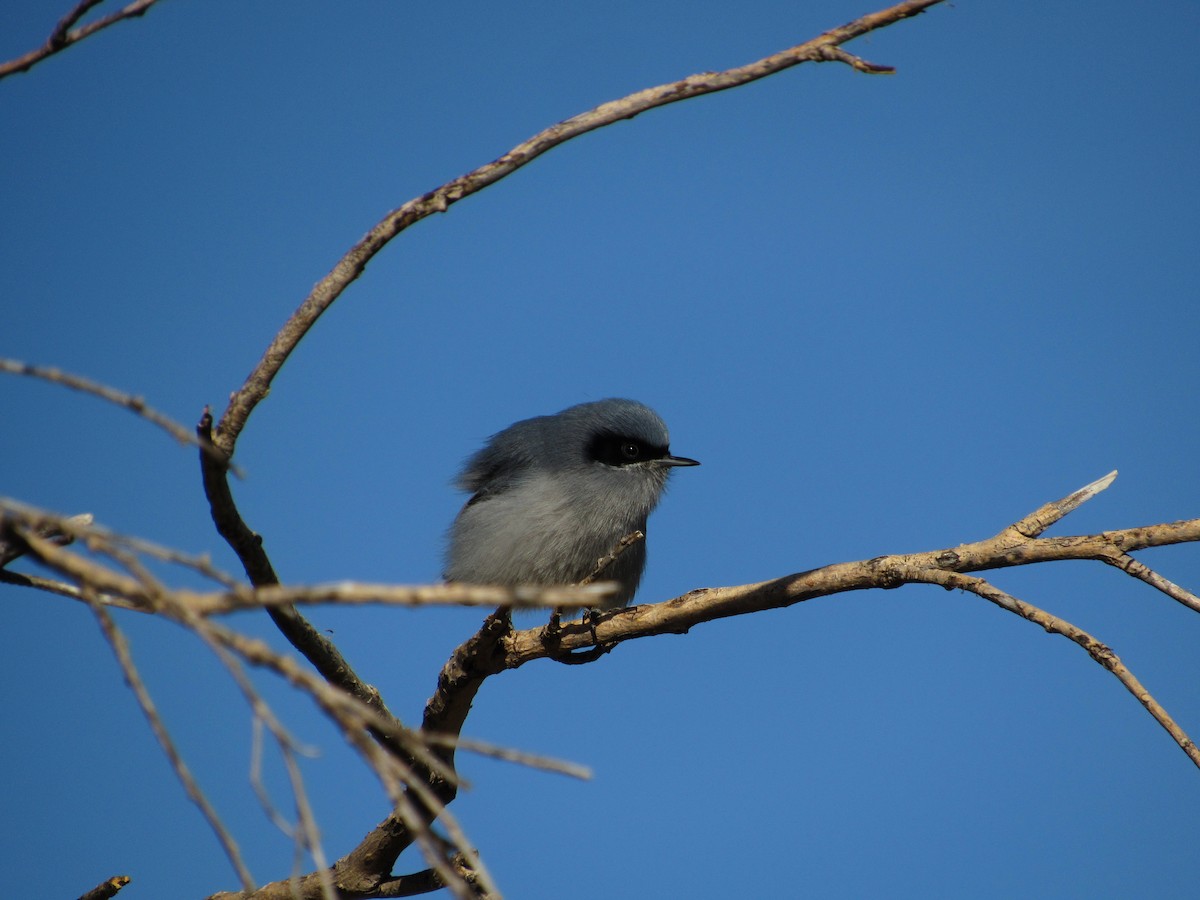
63, 35
92, 576
329, 288
533, 760
605, 561
354, 594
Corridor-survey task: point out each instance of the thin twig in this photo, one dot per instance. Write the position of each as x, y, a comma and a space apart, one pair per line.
508, 754
59, 531
120, 647
1143, 572
62, 589
393, 768
306, 834
1099, 651
63, 36
605, 561
130, 402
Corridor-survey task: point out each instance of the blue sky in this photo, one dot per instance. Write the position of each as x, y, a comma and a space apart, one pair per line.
887, 313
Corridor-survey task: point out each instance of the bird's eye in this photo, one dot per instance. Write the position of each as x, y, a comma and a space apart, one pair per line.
616, 450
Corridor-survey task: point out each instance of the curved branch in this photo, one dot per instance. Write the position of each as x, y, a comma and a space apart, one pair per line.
329, 288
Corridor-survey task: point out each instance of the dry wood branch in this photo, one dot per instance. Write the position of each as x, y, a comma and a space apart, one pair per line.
63, 35
89, 575
1043, 517
819, 49
679, 615
532, 760
66, 530
605, 561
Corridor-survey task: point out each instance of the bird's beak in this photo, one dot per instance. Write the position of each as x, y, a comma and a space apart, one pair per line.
678, 461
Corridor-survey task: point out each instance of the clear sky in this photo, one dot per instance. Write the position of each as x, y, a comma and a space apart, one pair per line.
888, 314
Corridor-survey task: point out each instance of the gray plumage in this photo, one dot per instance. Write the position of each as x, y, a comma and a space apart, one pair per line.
553, 495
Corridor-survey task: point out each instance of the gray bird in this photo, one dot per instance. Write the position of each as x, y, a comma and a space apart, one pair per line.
554, 494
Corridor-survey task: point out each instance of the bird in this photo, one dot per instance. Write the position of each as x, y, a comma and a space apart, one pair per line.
553, 495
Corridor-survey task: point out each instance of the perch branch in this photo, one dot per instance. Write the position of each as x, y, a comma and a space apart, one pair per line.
420, 776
